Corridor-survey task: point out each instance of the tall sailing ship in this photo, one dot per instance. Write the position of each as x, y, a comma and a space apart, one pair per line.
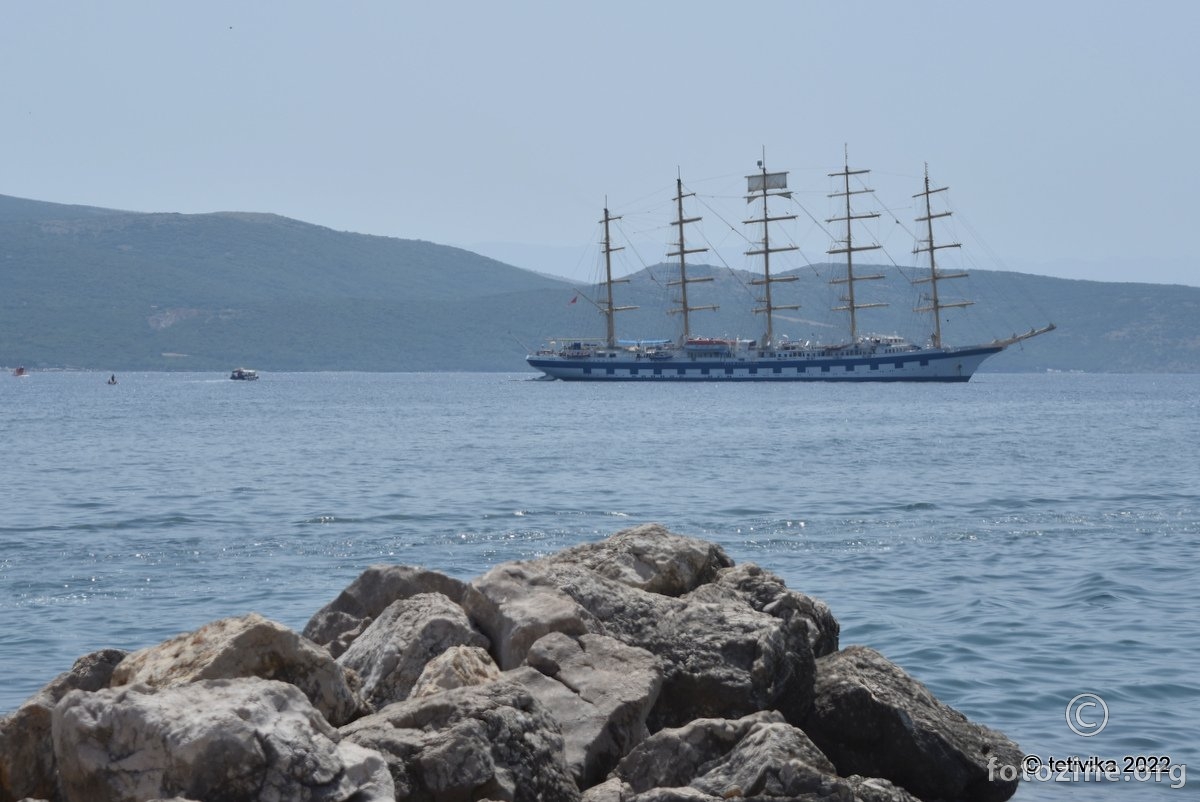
860, 357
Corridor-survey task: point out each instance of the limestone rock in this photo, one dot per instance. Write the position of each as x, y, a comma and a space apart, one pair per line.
229, 739
491, 741
721, 659
457, 667
614, 789
726, 660
685, 794
516, 603
759, 756
367, 772
336, 624
599, 690
650, 558
877, 789
27, 767
767, 592
773, 759
873, 719
391, 653
247, 646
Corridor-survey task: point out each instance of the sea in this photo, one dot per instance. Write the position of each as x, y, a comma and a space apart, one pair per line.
1026, 545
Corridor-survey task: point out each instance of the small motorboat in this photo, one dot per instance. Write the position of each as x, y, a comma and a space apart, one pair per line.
244, 374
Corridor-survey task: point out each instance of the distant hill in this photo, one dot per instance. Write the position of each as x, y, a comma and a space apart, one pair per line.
97, 288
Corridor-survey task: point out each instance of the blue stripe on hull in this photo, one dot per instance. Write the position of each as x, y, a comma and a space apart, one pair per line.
788, 379
945, 366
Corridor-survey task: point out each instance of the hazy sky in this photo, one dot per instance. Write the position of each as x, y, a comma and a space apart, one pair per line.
1067, 130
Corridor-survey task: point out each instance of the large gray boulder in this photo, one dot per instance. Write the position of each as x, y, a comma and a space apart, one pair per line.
767, 593
721, 658
759, 756
726, 660
248, 646
241, 739
457, 667
877, 789
599, 690
863, 789
392, 652
611, 790
873, 719
27, 766
337, 624
516, 603
491, 741
649, 558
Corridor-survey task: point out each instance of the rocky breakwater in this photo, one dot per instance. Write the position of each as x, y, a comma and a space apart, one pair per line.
647, 667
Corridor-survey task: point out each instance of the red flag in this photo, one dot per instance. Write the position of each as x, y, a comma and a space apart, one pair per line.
573, 300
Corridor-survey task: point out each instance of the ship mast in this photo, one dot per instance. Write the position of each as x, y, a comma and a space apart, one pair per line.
936, 305
684, 279
760, 186
848, 247
607, 309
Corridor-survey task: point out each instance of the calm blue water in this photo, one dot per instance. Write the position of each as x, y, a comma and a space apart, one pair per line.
1011, 542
